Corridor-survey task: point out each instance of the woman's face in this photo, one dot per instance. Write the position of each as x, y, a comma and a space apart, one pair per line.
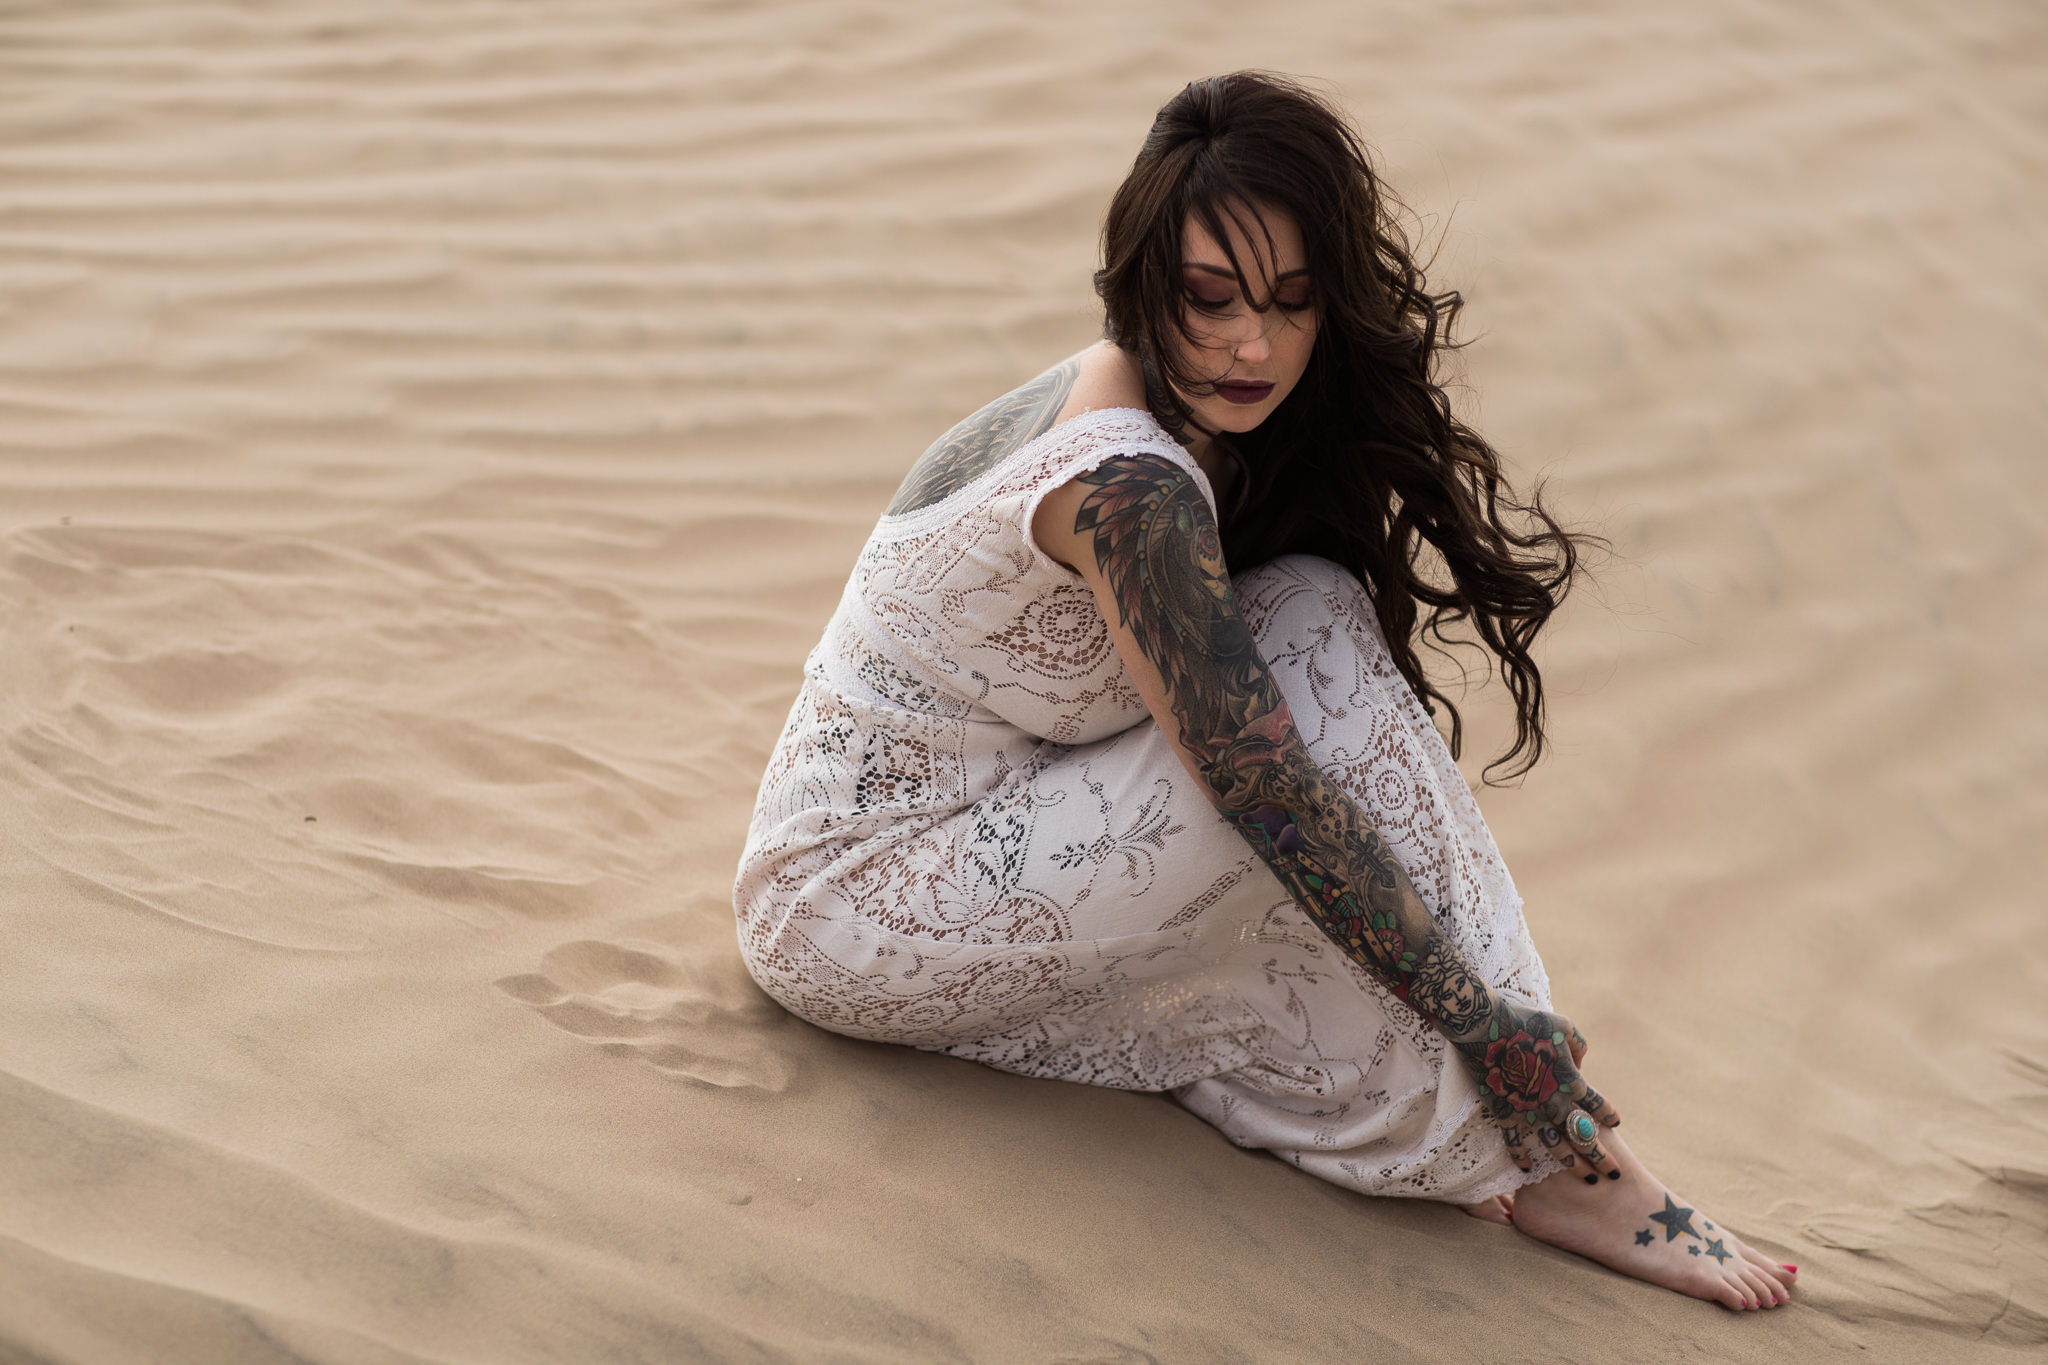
1252, 351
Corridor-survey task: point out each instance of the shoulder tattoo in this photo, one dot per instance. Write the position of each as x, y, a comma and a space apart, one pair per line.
984, 439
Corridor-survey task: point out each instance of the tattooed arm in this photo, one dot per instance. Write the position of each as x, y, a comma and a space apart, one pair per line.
1141, 534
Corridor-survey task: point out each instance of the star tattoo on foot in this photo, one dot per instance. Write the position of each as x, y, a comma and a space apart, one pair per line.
1691, 1250
1645, 1237
1674, 1219
1719, 1252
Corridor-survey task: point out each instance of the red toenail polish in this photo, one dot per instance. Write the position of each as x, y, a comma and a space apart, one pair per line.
1793, 1268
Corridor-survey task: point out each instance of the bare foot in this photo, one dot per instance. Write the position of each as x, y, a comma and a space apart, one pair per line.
1638, 1227
1499, 1209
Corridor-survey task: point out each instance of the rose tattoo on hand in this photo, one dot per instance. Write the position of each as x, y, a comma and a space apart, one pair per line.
1521, 1064
1522, 1070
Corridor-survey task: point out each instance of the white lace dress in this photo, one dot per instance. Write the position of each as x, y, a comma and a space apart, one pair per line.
972, 838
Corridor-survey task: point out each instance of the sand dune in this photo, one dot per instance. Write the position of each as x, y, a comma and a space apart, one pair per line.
431, 437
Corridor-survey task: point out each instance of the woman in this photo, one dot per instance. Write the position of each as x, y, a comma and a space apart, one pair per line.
1062, 795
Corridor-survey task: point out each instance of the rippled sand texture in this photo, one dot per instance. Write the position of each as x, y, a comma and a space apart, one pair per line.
431, 436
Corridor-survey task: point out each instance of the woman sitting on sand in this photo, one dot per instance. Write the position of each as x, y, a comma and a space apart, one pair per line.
1063, 794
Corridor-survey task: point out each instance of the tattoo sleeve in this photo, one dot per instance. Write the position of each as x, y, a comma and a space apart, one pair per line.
1157, 548
984, 438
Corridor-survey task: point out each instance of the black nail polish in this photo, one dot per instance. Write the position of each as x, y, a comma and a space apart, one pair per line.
1614, 1174
1592, 1180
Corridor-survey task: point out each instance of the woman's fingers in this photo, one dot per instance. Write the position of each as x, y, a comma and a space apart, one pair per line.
1574, 1041
1588, 1163
1552, 1138
1577, 1090
1517, 1134
1591, 1100
1581, 1135
1596, 1156
1595, 1103
1601, 1162
1580, 1112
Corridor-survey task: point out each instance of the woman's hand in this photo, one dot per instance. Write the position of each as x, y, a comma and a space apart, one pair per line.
1526, 1064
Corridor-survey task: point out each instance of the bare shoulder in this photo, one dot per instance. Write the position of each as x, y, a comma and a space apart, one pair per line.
1104, 377
1108, 379
1099, 377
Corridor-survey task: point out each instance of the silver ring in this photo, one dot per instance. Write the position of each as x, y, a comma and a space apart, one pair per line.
1581, 1131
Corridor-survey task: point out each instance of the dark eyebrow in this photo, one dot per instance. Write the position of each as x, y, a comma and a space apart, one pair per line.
1227, 273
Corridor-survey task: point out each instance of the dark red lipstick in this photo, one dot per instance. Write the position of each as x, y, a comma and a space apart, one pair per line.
1243, 390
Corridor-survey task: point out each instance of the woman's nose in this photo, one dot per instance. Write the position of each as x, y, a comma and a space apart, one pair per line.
1249, 343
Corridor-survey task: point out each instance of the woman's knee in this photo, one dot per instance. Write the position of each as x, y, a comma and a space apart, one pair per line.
1284, 597
1294, 572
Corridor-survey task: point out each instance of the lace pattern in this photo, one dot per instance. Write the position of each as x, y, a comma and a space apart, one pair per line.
971, 838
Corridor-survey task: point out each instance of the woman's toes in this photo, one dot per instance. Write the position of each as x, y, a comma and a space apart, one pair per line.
1760, 1286
1732, 1295
1782, 1275
1489, 1211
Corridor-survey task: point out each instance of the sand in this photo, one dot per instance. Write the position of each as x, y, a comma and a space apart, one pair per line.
431, 436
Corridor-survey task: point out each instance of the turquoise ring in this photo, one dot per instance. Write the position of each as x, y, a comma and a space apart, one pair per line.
1581, 1130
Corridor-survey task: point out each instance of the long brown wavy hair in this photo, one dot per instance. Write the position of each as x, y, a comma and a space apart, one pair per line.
1364, 463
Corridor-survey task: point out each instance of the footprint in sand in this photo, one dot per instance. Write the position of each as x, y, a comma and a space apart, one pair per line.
637, 1002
